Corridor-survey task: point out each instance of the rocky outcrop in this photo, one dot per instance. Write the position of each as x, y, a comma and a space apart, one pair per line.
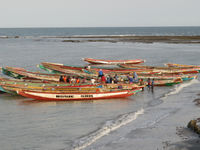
194, 125
197, 101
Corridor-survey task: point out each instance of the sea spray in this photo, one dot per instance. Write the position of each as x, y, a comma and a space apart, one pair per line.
177, 88
106, 129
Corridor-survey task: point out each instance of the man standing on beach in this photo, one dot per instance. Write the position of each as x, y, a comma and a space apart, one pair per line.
100, 73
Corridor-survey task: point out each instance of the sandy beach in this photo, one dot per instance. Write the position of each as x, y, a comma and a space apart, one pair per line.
167, 130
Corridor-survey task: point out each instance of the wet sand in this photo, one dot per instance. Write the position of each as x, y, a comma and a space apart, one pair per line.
193, 144
190, 139
166, 130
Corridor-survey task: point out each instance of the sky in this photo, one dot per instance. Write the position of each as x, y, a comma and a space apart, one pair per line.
99, 13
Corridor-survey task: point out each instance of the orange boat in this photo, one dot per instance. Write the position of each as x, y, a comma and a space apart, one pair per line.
181, 66
113, 62
68, 96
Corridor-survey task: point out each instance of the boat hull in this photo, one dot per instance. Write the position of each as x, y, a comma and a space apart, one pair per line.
113, 62
76, 96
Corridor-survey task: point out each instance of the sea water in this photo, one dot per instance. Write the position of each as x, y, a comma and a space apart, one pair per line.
142, 121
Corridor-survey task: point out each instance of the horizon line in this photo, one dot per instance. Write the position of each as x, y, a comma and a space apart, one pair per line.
98, 27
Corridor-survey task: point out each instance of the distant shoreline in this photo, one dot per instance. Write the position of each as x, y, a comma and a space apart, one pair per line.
117, 38
136, 39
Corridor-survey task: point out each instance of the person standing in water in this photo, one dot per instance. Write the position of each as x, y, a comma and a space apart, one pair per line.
152, 84
148, 83
103, 79
100, 73
135, 77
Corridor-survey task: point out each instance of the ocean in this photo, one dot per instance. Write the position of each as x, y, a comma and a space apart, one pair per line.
57, 32
145, 121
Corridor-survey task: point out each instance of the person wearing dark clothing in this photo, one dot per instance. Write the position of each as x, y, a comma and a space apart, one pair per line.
115, 78
152, 84
68, 79
141, 83
61, 79
108, 79
130, 80
111, 79
149, 83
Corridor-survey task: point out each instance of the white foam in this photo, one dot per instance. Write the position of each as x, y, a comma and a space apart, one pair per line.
106, 129
177, 88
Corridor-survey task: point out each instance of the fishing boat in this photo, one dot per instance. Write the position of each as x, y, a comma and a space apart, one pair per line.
113, 62
181, 66
46, 65
9, 88
57, 66
166, 82
20, 73
93, 72
61, 68
12, 85
134, 66
68, 96
124, 72
169, 69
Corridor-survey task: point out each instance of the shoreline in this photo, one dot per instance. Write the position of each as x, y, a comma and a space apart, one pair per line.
136, 39
117, 38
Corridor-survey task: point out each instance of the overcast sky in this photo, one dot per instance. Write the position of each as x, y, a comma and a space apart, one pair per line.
99, 13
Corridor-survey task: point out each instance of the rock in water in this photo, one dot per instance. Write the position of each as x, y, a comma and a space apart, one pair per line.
194, 125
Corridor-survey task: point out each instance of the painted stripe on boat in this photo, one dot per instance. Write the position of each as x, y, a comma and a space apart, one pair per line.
75, 96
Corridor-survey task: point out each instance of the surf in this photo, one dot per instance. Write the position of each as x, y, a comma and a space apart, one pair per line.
108, 127
179, 88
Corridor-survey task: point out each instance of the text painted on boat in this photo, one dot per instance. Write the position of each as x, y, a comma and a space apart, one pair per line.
72, 96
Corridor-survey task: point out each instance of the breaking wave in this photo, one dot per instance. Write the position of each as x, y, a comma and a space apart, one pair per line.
106, 129
177, 88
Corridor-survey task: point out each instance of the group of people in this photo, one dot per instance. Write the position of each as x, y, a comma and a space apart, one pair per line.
71, 80
150, 83
133, 79
108, 79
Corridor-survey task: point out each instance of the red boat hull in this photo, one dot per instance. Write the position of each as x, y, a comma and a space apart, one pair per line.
112, 62
75, 96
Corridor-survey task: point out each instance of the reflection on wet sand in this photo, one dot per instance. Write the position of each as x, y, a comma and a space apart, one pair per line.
123, 102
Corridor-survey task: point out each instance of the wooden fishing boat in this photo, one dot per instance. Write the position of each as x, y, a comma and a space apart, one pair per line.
62, 68
29, 82
141, 75
184, 77
47, 65
20, 73
166, 82
93, 72
134, 66
68, 96
9, 88
10, 85
112, 62
181, 66
169, 69
140, 71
